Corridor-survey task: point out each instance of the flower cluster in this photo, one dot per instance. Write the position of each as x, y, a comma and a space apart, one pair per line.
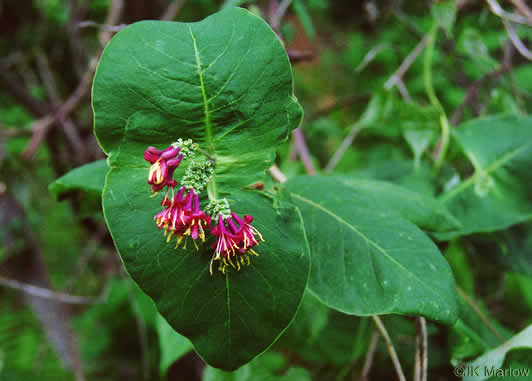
235, 242
182, 216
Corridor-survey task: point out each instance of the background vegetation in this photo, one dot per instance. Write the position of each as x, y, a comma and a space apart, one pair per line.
377, 81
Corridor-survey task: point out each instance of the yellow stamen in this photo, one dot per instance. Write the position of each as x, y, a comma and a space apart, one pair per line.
170, 236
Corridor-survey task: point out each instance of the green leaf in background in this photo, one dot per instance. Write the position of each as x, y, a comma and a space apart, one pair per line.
367, 259
517, 366
88, 178
233, 3
300, 9
494, 359
226, 83
497, 195
322, 335
422, 210
444, 13
173, 345
264, 368
471, 335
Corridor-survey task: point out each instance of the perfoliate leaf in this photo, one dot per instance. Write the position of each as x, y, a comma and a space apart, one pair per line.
226, 83
367, 259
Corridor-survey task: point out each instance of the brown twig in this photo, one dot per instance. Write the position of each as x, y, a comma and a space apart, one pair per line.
472, 92
368, 362
8, 82
45, 293
391, 349
343, 148
276, 174
296, 56
405, 65
346, 101
42, 126
420, 366
278, 13
480, 313
172, 10
499, 11
523, 8
516, 41
301, 145
113, 17
71, 130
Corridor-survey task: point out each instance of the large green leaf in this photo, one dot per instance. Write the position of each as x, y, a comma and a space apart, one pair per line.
422, 210
229, 319
368, 259
498, 194
226, 83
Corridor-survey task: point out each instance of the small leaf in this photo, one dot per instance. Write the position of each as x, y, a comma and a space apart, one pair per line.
264, 368
173, 345
494, 359
301, 11
444, 13
88, 178
369, 260
497, 195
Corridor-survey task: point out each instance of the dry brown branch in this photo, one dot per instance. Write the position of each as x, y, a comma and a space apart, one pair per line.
496, 8
113, 17
405, 65
172, 11
391, 349
43, 125
480, 313
516, 41
472, 92
368, 363
302, 149
45, 293
276, 174
420, 365
343, 148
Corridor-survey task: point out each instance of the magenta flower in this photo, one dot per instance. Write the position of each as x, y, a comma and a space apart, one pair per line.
183, 217
163, 165
234, 242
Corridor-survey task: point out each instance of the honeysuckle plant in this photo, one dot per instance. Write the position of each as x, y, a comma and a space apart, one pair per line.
190, 116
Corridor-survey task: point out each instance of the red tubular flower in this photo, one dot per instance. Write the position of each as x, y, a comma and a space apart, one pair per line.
183, 217
234, 241
247, 233
163, 165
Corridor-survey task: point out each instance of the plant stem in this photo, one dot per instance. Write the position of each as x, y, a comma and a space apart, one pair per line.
211, 190
429, 88
391, 349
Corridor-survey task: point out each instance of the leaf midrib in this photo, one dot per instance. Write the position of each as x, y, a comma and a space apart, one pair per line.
208, 126
374, 244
